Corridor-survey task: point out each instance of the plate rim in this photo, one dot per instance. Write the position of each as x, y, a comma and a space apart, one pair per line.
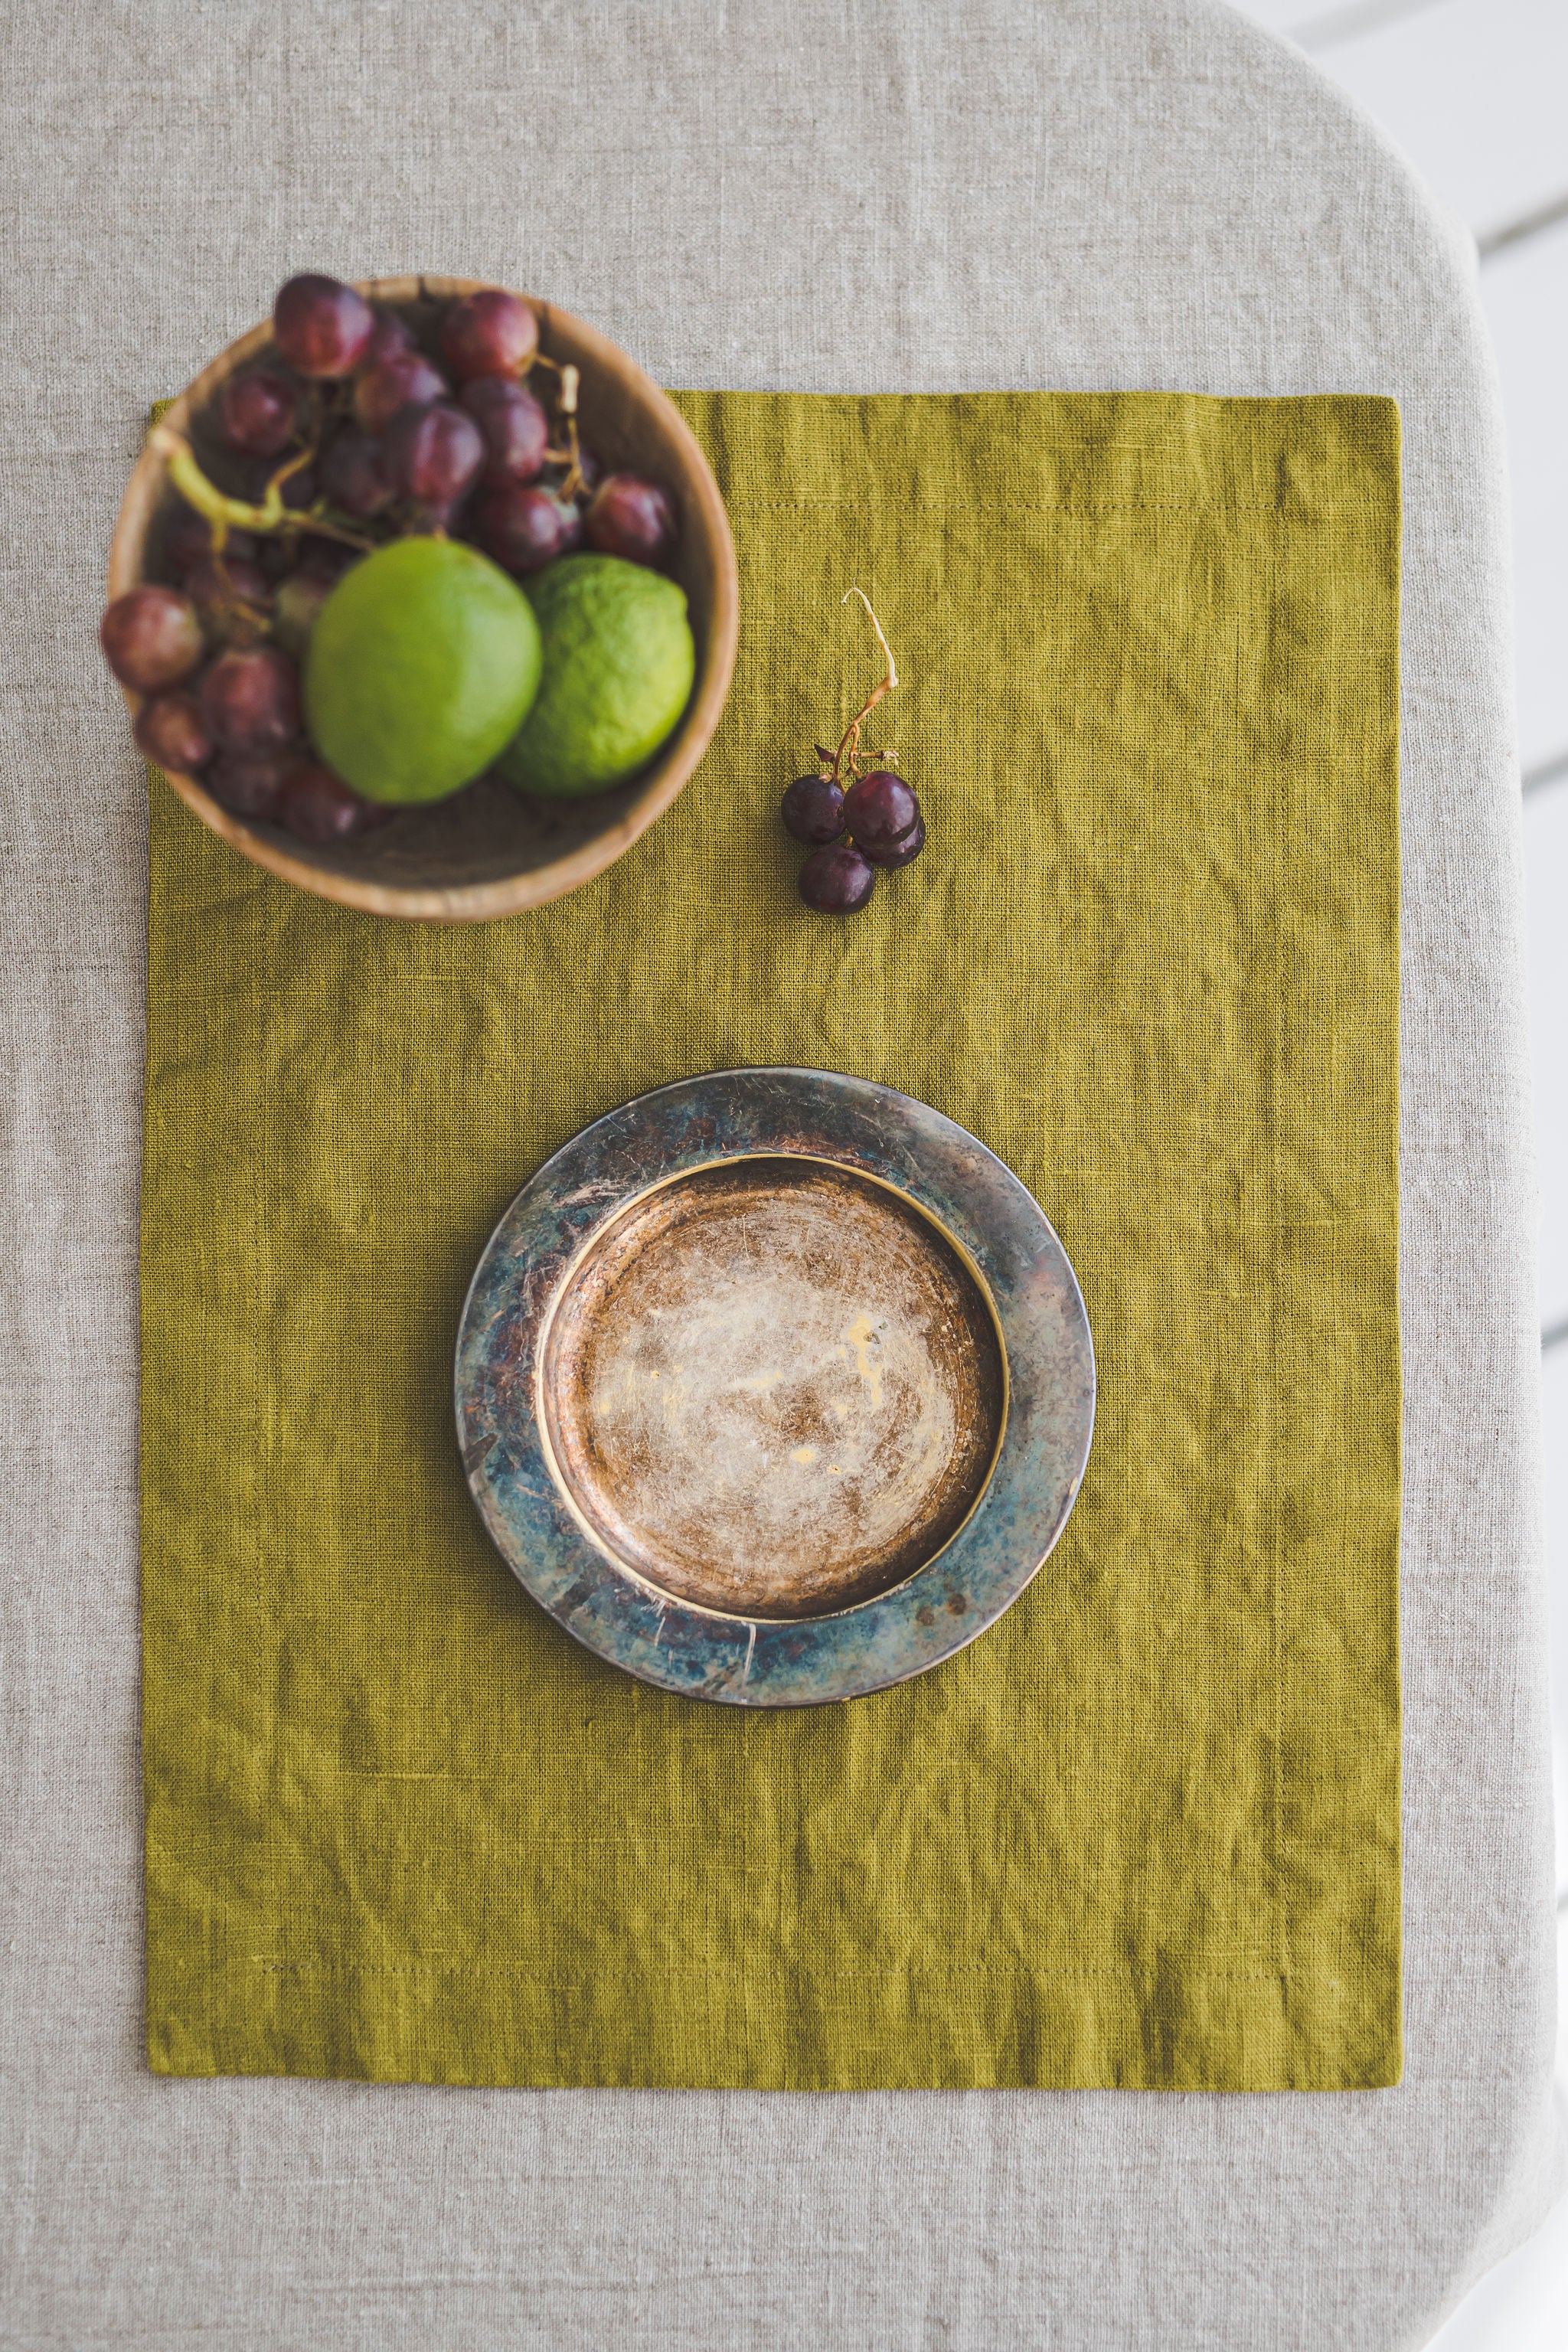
905, 1146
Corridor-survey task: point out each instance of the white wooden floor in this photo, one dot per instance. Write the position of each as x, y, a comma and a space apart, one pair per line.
1475, 93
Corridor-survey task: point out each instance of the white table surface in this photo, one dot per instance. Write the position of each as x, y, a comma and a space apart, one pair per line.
838, 195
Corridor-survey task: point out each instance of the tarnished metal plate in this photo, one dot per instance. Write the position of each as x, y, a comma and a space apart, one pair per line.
775, 1387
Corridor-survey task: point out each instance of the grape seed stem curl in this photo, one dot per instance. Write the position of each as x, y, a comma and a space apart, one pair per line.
849, 742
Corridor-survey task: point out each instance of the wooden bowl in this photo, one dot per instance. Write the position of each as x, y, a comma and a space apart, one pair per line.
487, 851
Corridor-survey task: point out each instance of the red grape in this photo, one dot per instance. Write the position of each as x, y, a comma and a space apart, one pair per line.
525, 527
188, 541
880, 809
250, 783
259, 410
389, 334
321, 326
327, 559
405, 380
250, 698
837, 880
489, 333
217, 593
516, 429
151, 637
899, 852
633, 519
318, 807
813, 809
435, 454
169, 733
353, 478
592, 469
300, 491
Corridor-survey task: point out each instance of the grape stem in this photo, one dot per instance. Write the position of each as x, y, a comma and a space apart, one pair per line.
253, 622
226, 514
566, 411
849, 742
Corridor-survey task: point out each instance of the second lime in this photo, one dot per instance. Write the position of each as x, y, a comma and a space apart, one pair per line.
619, 663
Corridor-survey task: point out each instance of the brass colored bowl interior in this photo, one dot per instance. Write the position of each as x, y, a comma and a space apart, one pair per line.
773, 1387
487, 851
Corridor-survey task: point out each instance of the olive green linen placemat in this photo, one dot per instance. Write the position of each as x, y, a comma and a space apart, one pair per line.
1145, 1831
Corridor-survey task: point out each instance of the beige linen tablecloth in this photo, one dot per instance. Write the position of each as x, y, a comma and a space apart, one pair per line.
916, 195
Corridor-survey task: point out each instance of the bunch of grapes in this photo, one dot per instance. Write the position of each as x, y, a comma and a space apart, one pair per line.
852, 823
876, 824
360, 424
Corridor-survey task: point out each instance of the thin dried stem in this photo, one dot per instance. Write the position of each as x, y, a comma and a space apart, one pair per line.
226, 514
569, 379
849, 742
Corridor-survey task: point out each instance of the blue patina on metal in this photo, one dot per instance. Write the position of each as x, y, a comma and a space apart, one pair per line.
972, 1197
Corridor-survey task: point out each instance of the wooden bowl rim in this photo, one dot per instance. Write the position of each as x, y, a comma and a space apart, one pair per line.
511, 893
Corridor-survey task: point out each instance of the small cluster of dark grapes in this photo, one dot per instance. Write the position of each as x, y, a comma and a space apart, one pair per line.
222, 701
368, 437
876, 823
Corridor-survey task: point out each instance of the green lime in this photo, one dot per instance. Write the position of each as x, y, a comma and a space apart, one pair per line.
618, 666
423, 659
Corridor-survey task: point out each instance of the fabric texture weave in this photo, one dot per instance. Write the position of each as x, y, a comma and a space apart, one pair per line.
1145, 1831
